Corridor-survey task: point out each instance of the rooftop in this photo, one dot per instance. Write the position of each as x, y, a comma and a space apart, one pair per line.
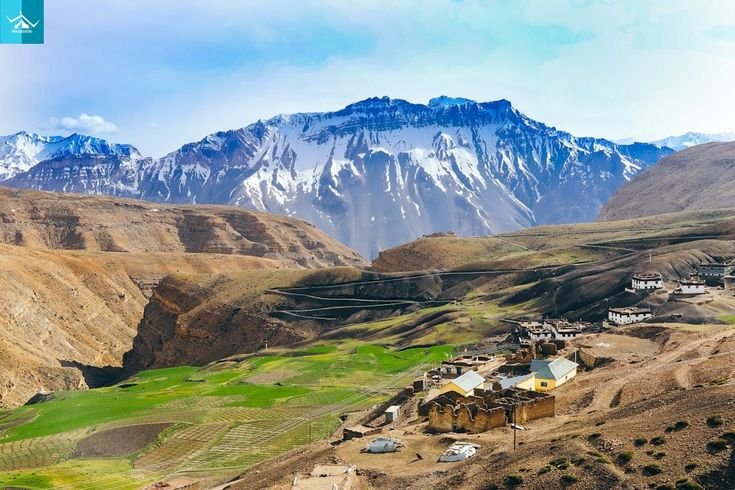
630, 311
556, 369
469, 381
647, 276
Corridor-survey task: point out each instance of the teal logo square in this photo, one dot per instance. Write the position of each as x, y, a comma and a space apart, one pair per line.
21, 22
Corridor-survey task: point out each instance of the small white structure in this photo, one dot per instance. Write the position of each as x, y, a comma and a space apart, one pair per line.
690, 287
391, 415
647, 282
383, 445
626, 316
459, 451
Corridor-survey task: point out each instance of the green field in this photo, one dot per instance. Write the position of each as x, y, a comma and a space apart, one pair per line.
225, 416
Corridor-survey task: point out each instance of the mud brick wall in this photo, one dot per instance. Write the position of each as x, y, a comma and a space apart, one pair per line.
441, 418
587, 359
464, 418
535, 409
478, 420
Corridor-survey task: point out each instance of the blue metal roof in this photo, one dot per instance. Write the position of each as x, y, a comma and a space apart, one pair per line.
556, 369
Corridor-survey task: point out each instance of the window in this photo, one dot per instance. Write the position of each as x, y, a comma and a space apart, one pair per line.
544, 384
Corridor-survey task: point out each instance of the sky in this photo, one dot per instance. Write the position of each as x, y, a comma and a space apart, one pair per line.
161, 73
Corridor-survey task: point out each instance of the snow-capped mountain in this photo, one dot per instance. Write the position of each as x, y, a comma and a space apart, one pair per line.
383, 171
378, 172
692, 139
21, 151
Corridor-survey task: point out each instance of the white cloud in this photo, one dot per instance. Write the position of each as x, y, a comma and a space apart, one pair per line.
84, 123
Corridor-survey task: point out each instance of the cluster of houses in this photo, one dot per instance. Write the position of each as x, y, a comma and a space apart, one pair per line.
696, 284
550, 329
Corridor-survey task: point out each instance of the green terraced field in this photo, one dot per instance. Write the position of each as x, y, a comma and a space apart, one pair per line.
227, 416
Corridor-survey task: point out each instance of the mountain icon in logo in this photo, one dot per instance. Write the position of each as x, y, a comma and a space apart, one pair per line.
23, 23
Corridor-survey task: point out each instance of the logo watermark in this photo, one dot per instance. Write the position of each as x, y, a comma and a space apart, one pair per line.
21, 22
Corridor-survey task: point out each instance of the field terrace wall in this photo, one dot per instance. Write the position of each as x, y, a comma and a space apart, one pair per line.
488, 410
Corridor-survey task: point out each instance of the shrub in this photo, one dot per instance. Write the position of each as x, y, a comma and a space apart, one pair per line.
658, 440
651, 470
659, 455
640, 441
558, 461
513, 480
567, 479
714, 420
596, 454
665, 486
717, 445
625, 457
728, 436
602, 459
544, 469
594, 436
681, 425
690, 467
601, 422
579, 461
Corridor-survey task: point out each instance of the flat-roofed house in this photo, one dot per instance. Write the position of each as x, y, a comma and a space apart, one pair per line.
465, 385
647, 281
626, 316
690, 287
715, 270
550, 374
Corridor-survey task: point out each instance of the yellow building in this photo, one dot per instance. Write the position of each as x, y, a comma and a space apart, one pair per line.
465, 385
549, 374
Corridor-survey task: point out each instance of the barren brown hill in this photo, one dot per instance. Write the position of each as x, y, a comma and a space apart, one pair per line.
66, 314
77, 272
555, 244
697, 178
79, 222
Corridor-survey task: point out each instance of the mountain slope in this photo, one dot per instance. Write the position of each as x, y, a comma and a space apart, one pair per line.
78, 222
377, 173
76, 272
698, 178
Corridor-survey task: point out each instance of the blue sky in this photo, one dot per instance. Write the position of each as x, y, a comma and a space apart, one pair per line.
161, 73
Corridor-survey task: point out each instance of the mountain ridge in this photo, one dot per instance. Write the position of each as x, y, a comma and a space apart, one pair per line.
377, 172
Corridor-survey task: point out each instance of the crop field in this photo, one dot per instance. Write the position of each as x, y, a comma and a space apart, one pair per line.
224, 417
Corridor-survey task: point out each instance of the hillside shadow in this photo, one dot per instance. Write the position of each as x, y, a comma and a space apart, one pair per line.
96, 376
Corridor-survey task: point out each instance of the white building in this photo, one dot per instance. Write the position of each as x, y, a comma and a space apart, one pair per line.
647, 282
626, 316
392, 413
690, 287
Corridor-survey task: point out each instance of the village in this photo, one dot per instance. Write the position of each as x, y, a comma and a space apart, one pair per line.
504, 389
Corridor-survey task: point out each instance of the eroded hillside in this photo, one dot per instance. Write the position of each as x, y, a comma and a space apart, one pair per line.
76, 222
77, 272
67, 314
